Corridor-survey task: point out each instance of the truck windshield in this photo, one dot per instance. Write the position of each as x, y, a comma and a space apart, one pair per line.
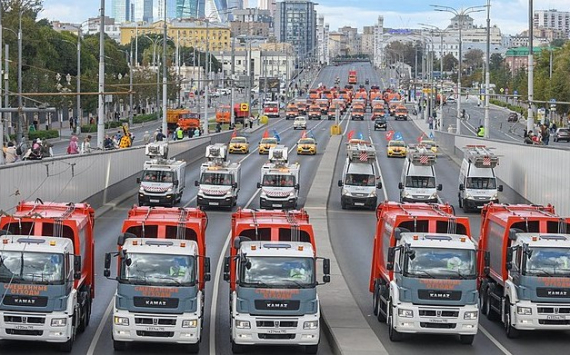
216, 179
548, 262
157, 176
440, 263
264, 271
420, 182
34, 268
481, 183
359, 180
158, 269
279, 180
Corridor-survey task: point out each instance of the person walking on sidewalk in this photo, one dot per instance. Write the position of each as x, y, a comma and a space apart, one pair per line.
73, 147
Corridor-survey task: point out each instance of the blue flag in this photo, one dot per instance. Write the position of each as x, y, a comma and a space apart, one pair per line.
276, 135
431, 135
310, 134
398, 136
360, 136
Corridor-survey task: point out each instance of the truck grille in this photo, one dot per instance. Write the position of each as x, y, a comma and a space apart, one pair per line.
553, 322
437, 325
276, 324
436, 313
24, 320
277, 336
155, 321
145, 333
552, 310
24, 332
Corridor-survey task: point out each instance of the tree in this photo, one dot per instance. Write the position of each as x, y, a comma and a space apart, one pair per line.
449, 62
473, 58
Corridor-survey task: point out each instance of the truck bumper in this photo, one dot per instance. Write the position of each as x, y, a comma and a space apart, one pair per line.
286, 203
436, 319
411, 199
215, 202
159, 200
168, 329
366, 202
31, 326
547, 316
276, 330
477, 204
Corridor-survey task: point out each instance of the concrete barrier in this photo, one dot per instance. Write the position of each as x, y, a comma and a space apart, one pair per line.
344, 324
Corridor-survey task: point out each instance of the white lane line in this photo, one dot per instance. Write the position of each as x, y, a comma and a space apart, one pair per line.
495, 341
380, 173
102, 324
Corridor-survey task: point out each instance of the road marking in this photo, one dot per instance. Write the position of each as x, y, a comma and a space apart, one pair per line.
495, 341
95, 339
380, 173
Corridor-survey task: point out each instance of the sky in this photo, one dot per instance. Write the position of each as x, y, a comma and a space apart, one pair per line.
511, 16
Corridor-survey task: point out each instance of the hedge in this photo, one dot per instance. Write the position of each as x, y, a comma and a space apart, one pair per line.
517, 109
42, 134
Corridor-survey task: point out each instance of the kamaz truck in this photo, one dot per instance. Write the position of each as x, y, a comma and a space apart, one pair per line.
272, 271
219, 182
279, 180
47, 272
424, 275
161, 273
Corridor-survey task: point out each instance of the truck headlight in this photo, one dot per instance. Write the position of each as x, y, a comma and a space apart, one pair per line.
471, 315
345, 192
406, 194
189, 323
169, 189
121, 320
468, 196
433, 195
311, 325
59, 322
525, 311
292, 194
406, 313
372, 194
495, 196
243, 324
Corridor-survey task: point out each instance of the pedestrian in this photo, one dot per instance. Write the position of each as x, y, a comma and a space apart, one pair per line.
146, 137
10, 153
47, 150
481, 131
218, 127
160, 136
71, 121
86, 145
251, 119
545, 133
179, 133
430, 122
196, 133
73, 147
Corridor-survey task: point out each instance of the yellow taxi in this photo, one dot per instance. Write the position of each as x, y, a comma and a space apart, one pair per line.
266, 143
307, 146
238, 145
430, 144
396, 149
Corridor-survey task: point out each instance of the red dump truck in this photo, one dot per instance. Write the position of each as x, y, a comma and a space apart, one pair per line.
47, 272
525, 267
424, 277
352, 79
272, 271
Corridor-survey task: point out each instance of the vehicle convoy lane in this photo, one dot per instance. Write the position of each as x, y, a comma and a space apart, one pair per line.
97, 337
352, 233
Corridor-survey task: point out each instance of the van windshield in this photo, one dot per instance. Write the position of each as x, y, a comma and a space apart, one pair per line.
420, 181
481, 183
359, 180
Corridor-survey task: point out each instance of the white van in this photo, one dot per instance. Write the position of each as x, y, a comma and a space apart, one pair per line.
418, 179
477, 181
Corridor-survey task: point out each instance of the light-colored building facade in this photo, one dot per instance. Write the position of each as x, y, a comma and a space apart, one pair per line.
323, 41
367, 41
296, 23
552, 19
121, 10
377, 58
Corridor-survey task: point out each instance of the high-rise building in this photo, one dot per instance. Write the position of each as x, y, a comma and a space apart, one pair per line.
323, 40
121, 10
141, 10
296, 23
552, 19
270, 5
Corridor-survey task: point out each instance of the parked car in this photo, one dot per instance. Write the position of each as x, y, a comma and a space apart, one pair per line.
562, 134
513, 117
450, 98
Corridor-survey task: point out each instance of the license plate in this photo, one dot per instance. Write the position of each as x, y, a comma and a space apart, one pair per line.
155, 329
276, 205
276, 331
479, 207
213, 203
438, 320
24, 327
154, 201
359, 203
556, 317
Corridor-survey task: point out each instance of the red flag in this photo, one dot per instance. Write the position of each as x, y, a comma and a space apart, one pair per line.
304, 134
234, 133
350, 134
421, 137
266, 134
389, 135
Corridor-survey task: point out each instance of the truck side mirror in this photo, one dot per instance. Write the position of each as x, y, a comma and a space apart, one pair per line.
340, 183
400, 186
176, 182
138, 180
77, 267
259, 185
397, 233
379, 185
234, 185
107, 272
297, 187
227, 268
391, 256
509, 263
461, 187
326, 266
207, 276
123, 238
500, 188
439, 187
196, 183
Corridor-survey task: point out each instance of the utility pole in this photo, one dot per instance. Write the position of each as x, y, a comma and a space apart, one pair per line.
232, 115
2, 117
487, 72
530, 119
131, 87
101, 106
22, 119
206, 123
164, 82
79, 110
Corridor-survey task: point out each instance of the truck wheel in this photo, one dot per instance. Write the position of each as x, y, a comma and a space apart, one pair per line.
67, 346
467, 339
393, 334
511, 331
343, 205
119, 345
237, 348
311, 349
193, 348
459, 201
465, 207
489, 311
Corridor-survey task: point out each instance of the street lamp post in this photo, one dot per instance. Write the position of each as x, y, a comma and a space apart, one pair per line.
101, 103
205, 123
79, 110
488, 71
164, 82
21, 121
441, 32
460, 15
530, 119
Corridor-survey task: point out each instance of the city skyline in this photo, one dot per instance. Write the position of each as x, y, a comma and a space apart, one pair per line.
511, 16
